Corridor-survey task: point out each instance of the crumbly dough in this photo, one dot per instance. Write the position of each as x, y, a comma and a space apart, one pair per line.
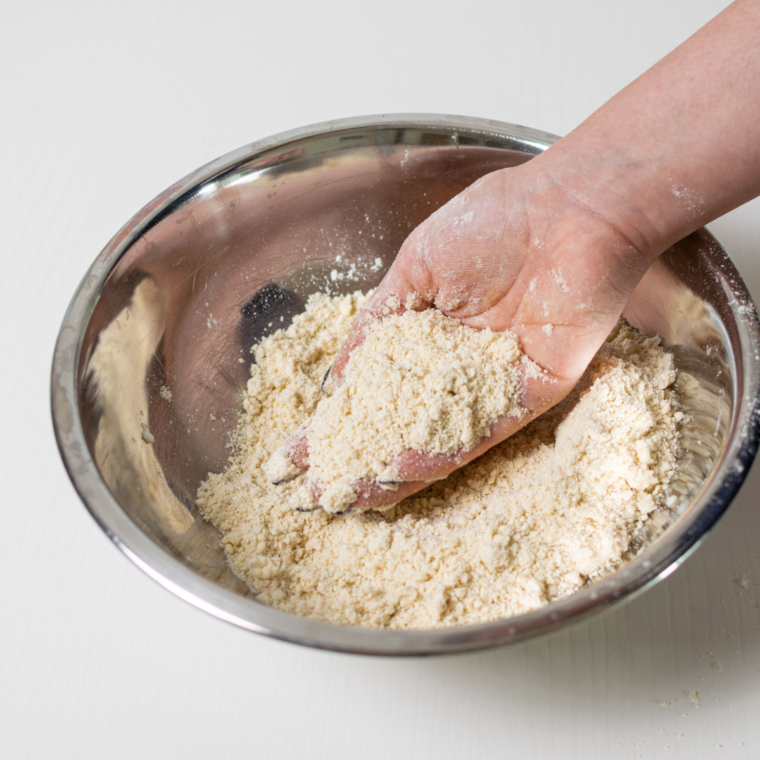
421, 381
532, 520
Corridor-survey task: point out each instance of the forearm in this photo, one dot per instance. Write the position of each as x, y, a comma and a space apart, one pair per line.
678, 147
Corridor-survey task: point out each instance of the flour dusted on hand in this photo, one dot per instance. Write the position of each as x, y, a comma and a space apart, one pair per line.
421, 381
533, 520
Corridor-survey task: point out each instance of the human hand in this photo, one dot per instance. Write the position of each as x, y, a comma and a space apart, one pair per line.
513, 252
552, 249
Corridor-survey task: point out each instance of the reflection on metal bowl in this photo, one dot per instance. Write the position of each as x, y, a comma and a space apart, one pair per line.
149, 363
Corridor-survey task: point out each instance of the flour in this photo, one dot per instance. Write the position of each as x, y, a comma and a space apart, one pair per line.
534, 519
421, 381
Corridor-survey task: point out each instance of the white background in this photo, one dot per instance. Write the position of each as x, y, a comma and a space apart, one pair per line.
102, 106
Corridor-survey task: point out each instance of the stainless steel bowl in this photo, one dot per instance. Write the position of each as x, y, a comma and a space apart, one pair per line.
231, 252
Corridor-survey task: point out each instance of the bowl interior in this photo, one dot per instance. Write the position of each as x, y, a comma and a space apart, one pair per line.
173, 306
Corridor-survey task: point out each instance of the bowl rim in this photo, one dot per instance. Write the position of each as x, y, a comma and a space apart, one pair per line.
655, 564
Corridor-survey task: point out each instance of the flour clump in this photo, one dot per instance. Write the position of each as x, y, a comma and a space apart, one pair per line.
534, 519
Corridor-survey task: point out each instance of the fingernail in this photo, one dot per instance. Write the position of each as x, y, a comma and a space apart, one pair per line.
389, 485
280, 469
303, 501
389, 479
326, 378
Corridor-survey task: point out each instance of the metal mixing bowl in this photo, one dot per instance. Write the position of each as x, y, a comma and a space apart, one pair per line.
231, 252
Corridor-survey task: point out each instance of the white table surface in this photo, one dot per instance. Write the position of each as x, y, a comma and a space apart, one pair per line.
102, 106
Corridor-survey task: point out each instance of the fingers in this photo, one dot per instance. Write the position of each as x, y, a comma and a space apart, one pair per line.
381, 497
344, 500
393, 296
414, 470
355, 339
418, 469
409, 471
290, 460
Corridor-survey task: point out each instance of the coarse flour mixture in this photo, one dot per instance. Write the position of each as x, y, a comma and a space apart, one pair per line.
532, 520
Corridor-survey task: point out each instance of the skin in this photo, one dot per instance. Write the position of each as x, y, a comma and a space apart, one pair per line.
564, 239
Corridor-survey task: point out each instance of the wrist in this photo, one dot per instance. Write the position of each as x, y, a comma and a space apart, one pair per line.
623, 193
